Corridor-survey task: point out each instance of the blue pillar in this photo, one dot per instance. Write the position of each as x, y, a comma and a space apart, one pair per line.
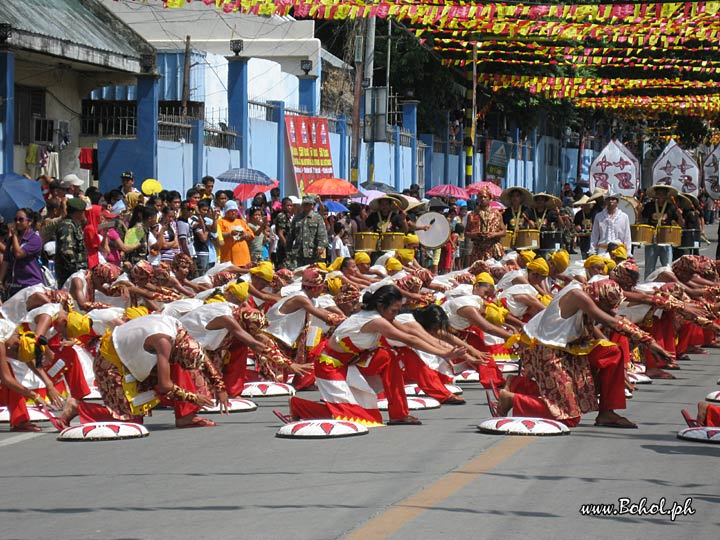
278, 116
307, 94
342, 131
146, 139
7, 111
197, 137
429, 140
409, 112
238, 97
396, 168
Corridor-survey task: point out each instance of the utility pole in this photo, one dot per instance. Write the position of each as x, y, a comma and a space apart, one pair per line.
368, 83
357, 99
470, 119
186, 77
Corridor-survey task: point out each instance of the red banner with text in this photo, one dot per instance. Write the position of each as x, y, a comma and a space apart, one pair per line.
309, 141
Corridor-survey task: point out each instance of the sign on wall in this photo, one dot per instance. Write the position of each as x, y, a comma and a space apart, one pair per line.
309, 141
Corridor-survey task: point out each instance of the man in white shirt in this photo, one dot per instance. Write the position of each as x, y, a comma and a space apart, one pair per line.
611, 226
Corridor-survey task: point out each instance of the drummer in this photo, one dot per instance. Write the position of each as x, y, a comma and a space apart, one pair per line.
690, 206
610, 226
485, 228
661, 211
544, 213
386, 216
583, 222
516, 214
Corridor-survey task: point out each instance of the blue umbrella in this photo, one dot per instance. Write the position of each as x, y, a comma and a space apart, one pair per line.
245, 176
334, 206
19, 192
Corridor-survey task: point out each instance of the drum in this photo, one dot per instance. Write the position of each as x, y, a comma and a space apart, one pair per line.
691, 238
629, 205
507, 240
669, 235
392, 241
366, 241
438, 231
551, 240
642, 234
527, 238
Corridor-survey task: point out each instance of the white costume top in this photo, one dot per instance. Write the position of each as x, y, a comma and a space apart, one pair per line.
609, 229
7, 329
550, 328
101, 318
635, 313
178, 308
514, 306
15, 307
286, 326
46, 309
351, 328
115, 301
654, 275
129, 341
597, 277
507, 280
453, 305
196, 321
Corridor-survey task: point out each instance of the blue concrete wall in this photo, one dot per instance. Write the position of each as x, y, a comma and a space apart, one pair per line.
114, 157
263, 147
219, 160
175, 170
335, 153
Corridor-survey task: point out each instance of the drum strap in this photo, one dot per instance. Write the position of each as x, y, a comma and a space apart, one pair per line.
660, 214
516, 217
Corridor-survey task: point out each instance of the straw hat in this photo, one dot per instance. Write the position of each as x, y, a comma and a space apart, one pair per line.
527, 196
686, 201
599, 193
552, 199
671, 191
583, 201
404, 201
374, 204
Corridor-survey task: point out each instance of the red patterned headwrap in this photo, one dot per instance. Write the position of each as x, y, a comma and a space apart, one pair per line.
182, 259
466, 278
626, 274
312, 278
425, 276
282, 278
105, 273
142, 273
689, 265
478, 267
348, 294
606, 293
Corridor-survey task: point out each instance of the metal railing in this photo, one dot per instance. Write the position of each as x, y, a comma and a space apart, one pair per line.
174, 128
221, 137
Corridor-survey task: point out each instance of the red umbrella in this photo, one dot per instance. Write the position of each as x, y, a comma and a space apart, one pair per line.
477, 187
448, 190
331, 187
243, 192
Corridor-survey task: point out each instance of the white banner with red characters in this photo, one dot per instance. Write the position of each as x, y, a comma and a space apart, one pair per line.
309, 141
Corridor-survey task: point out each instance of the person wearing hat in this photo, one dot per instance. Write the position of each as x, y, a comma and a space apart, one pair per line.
386, 215
544, 212
517, 211
485, 228
583, 222
70, 251
694, 225
660, 211
72, 183
610, 226
309, 235
236, 236
127, 183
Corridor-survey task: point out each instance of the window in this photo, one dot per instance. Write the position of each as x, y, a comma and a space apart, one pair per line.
29, 105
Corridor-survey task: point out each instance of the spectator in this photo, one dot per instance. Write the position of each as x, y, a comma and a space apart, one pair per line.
309, 235
256, 222
235, 237
339, 246
203, 225
186, 236
20, 267
70, 252
167, 236
209, 184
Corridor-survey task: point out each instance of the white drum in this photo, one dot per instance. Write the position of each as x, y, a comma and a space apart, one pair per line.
630, 206
321, 429
415, 403
103, 431
518, 425
437, 234
237, 405
702, 434
267, 389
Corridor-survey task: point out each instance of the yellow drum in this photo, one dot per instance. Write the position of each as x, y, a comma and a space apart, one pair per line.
642, 234
507, 240
392, 241
669, 235
366, 241
527, 238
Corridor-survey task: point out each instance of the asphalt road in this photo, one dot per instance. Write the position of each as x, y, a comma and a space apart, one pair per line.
439, 480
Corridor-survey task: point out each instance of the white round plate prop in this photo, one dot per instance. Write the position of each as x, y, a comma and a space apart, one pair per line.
638, 368
467, 376
700, 434
639, 378
508, 367
236, 405
713, 397
33, 412
103, 431
267, 389
415, 403
518, 425
321, 429
415, 390
628, 394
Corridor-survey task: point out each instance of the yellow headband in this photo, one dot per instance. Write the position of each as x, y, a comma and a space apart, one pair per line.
528, 255
594, 260
264, 270
135, 312
336, 264
78, 325
26, 346
609, 265
393, 264
561, 260
539, 266
239, 290
411, 239
405, 255
334, 284
620, 252
484, 277
362, 258
495, 314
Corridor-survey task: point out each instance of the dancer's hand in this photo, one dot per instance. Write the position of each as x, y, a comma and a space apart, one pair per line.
300, 369
224, 402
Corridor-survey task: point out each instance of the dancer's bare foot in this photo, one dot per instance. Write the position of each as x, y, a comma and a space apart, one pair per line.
69, 410
657, 373
702, 409
612, 419
192, 421
505, 402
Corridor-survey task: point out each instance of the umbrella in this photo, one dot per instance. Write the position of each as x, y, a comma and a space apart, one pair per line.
334, 206
243, 192
378, 186
19, 192
448, 190
245, 176
497, 205
474, 189
331, 187
367, 196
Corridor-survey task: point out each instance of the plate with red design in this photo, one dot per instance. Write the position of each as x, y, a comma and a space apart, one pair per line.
266, 389
518, 425
103, 431
321, 429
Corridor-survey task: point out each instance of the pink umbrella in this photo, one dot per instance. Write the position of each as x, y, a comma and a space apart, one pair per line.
497, 204
366, 196
474, 189
448, 190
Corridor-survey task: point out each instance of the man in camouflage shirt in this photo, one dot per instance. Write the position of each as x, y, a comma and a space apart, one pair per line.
70, 251
309, 235
283, 222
